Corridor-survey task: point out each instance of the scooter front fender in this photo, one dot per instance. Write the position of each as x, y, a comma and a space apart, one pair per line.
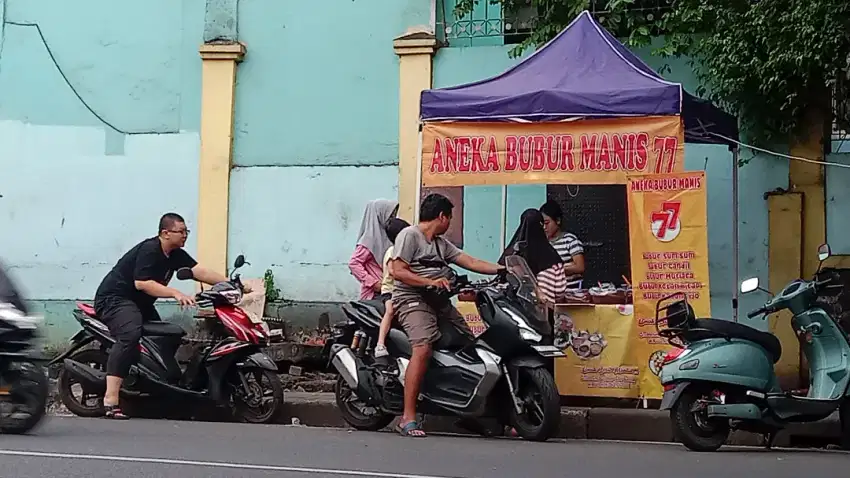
734, 362
258, 360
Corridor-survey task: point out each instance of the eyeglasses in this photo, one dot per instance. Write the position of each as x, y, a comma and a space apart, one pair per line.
184, 231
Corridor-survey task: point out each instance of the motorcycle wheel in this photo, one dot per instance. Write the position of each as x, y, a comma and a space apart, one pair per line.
693, 428
89, 405
541, 404
27, 400
262, 401
355, 412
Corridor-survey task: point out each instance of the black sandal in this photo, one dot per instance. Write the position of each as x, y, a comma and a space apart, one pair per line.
114, 412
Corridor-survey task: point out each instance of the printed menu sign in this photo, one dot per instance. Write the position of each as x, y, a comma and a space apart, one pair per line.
669, 250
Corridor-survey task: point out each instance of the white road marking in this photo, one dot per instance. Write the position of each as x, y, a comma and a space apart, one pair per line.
214, 464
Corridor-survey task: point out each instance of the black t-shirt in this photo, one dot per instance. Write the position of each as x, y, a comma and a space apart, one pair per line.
145, 261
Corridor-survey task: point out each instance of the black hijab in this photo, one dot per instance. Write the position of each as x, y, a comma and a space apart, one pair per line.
530, 243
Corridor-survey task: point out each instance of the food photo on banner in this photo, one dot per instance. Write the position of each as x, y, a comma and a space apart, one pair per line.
597, 139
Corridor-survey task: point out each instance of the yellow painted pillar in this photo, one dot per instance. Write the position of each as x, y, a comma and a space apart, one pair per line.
415, 51
808, 179
785, 231
218, 87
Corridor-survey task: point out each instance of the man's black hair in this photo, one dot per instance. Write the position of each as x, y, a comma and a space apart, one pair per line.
553, 210
433, 205
168, 220
395, 226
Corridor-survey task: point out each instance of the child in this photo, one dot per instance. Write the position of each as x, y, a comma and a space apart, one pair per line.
394, 226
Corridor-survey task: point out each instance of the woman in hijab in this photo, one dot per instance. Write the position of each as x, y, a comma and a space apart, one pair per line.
531, 244
372, 244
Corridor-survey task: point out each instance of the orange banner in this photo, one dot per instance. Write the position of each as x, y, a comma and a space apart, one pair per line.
598, 151
668, 234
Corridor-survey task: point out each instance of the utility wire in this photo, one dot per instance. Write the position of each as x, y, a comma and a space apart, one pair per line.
781, 155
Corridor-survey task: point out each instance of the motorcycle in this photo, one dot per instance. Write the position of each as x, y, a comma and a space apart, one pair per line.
23, 377
720, 376
230, 370
500, 374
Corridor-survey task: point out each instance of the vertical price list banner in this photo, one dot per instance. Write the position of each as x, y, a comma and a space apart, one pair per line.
668, 232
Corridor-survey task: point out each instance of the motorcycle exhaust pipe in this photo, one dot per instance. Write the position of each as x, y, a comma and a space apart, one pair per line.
92, 379
345, 362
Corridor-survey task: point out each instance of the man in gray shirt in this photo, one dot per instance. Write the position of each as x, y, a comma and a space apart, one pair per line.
421, 258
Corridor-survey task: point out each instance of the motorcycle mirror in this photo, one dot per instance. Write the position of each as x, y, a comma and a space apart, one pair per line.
239, 262
184, 273
749, 285
824, 252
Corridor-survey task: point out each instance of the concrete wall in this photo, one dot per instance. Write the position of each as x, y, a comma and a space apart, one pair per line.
96, 141
837, 198
458, 65
316, 135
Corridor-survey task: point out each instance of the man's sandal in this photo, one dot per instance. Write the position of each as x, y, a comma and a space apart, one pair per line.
114, 412
411, 429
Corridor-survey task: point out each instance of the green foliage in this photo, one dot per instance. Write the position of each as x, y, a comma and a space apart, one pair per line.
272, 292
768, 61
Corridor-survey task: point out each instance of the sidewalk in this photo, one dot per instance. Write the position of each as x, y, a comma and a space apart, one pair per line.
620, 424
319, 410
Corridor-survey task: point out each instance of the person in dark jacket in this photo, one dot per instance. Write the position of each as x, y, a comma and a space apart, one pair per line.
9, 293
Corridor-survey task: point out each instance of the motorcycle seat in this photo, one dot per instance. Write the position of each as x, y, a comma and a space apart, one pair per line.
376, 304
451, 338
151, 329
162, 329
718, 328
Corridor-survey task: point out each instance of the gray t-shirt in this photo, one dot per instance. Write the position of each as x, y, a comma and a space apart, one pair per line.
412, 247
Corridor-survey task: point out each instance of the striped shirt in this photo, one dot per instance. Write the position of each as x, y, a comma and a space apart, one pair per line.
552, 283
568, 245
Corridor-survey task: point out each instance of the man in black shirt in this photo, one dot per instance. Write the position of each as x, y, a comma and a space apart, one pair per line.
125, 299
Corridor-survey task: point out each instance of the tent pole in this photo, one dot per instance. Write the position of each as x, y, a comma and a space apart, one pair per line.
418, 178
735, 243
504, 218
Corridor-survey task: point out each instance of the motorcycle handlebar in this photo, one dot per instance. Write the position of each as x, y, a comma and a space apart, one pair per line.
759, 311
465, 285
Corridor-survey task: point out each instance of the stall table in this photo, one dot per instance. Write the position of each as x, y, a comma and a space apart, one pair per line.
608, 352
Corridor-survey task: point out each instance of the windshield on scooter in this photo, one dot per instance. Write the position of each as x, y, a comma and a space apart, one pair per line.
526, 287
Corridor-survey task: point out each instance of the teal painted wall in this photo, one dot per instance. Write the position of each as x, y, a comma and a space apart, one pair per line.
316, 135
90, 161
837, 198
453, 66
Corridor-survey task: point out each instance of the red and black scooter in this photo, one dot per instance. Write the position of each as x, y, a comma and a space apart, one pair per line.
231, 370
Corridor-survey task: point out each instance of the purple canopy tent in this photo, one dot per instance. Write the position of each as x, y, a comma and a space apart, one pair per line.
584, 72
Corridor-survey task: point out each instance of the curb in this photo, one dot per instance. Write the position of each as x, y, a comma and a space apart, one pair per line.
319, 410
578, 423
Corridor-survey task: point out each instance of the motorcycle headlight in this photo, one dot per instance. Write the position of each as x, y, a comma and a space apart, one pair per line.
525, 330
530, 335
233, 296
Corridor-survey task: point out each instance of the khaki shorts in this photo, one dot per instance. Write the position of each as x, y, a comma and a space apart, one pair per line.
419, 322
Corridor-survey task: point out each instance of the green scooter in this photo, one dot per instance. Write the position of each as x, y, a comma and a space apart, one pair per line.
720, 375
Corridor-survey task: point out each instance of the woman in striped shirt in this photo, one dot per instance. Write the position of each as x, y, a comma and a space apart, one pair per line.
530, 243
566, 244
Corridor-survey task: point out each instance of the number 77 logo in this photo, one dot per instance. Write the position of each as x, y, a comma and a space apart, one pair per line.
665, 223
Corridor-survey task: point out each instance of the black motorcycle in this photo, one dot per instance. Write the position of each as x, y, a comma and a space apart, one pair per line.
23, 377
501, 374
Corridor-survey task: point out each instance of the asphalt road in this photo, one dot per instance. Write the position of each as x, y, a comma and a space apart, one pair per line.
74, 447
